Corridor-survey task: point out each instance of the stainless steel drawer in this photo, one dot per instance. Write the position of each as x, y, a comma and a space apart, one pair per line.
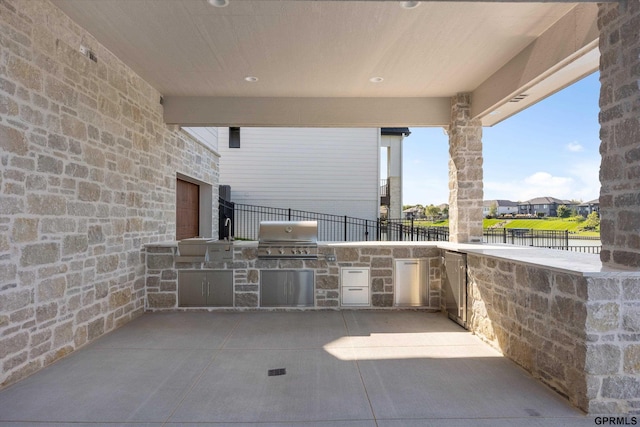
355, 296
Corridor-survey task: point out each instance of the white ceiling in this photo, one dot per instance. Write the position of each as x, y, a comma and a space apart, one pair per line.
321, 49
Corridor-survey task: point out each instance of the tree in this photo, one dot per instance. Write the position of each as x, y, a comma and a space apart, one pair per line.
592, 222
493, 210
563, 212
432, 211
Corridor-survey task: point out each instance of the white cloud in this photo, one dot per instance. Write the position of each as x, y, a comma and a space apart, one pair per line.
581, 182
574, 147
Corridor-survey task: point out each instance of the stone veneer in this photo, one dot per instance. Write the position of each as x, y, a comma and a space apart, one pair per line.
619, 25
162, 273
88, 176
465, 172
576, 332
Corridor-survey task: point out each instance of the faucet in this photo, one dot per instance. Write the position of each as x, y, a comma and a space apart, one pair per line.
227, 223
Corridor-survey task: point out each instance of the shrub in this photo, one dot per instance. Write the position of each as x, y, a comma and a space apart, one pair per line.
592, 223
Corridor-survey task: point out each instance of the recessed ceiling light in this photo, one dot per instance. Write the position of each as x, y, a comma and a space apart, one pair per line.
410, 4
219, 3
376, 79
251, 79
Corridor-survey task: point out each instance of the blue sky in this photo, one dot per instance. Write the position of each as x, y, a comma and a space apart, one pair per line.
549, 149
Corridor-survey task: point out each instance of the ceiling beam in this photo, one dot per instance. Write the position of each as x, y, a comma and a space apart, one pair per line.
572, 37
306, 112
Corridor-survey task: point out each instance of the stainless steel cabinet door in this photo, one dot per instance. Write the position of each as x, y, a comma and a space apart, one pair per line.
286, 288
274, 286
220, 288
411, 283
192, 288
300, 288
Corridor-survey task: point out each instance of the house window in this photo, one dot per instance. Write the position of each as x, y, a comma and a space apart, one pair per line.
234, 137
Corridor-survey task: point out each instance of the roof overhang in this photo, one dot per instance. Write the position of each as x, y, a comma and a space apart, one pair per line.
314, 59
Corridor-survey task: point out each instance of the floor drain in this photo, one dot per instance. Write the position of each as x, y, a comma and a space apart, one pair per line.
276, 372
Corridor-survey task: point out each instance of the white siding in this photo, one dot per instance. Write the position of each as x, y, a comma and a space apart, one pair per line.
323, 170
207, 136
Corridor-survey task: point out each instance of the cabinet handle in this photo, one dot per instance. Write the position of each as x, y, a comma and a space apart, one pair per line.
203, 287
355, 289
411, 263
355, 271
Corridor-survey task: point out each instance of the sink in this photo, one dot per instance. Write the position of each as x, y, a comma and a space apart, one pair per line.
205, 247
195, 246
219, 250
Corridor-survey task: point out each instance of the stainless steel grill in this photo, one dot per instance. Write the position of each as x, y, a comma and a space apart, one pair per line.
288, 239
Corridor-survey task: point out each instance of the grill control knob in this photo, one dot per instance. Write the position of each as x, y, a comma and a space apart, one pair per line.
293, 251
306, 251
268, 251
281, 251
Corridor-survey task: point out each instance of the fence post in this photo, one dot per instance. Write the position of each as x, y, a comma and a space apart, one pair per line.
412, 230
345, 228
289, 214
566, 239
532, 240
504, 235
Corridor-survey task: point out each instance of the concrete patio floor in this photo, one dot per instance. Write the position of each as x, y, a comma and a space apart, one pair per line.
343, 368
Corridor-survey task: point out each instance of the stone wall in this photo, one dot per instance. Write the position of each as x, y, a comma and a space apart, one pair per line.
576, 333
465, 173
619, 25
88, 176
613, 344
162, 273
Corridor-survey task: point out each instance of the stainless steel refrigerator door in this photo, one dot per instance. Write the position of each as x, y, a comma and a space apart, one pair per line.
411, 283
456, 286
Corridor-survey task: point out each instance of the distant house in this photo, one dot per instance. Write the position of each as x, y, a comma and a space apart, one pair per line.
586, 208
415, 212
543, 206
504, 207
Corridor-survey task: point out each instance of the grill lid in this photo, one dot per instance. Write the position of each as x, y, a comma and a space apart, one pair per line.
288, 232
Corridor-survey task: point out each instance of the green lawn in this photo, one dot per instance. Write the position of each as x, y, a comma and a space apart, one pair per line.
536, 224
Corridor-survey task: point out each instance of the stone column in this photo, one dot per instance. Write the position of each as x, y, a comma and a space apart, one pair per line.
619, 25
465, 173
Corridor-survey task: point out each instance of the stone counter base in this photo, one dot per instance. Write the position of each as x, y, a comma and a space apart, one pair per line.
162, 274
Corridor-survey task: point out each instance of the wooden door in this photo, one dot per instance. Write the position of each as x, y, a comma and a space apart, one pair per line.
187, 210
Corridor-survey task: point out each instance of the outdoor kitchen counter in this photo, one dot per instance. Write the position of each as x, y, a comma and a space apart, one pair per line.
164, 267
512, 263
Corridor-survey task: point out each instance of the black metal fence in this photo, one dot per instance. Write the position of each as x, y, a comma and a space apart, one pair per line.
246, 221
552, 239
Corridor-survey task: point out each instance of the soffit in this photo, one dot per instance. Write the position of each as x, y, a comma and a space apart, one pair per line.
313, 49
